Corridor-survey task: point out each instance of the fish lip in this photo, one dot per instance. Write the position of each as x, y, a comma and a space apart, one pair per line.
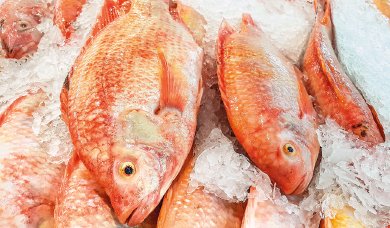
127, 215
302, 185
21, 50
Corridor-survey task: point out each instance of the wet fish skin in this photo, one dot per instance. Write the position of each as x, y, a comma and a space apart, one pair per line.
18, 20
197, 208
81, 202
383, 6
29, 180
65, 13
267, 106
334, 93
133, 97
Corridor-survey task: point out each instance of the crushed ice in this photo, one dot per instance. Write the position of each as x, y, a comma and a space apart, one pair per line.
46, 69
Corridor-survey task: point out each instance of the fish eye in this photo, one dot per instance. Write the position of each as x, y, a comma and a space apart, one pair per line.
23, 25
127, 169
289, 149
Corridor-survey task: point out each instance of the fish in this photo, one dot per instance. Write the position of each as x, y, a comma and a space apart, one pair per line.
18, 23
184, 208
81, 202
29, 178
334, 94
267, 106
130, 102
344, 218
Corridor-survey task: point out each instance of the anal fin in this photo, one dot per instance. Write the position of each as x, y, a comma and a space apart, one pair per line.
173, 94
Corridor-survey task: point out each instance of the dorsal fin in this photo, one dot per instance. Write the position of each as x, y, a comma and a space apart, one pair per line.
304, 102
173, 94
110, 11
378, 123
247, 21
10, 108
224, 32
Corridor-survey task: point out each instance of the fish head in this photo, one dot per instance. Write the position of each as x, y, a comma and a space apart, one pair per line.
142, 170
19, 34
135, 189
297, 152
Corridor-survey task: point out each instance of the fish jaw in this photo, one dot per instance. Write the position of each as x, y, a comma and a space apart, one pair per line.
133, 198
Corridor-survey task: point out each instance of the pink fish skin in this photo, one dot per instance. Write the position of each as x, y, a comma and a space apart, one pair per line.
82, 203
334, 93
29, 180
18, 21
197, 209
267, 106
131, 104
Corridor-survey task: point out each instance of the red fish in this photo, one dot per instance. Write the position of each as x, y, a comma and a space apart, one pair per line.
267, 106
335, 95
197, 209
82, 203
131, 104
29, 179
383, 6
18, 21
66, 12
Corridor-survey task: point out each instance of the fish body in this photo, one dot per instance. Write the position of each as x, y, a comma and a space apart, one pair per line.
29, 180
267, 106
182, 208
82, 203
334, 93
18, 20
131, 103
266, 214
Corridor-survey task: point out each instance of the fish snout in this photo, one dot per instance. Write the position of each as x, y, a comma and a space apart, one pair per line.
303, 184
134, 192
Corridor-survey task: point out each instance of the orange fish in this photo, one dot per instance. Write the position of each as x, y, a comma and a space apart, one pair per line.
267, 106
82, 203
29, 179
335, 95
197, 209
18, 21
131, 103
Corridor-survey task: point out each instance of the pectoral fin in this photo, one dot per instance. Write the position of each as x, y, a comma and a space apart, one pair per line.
173, 91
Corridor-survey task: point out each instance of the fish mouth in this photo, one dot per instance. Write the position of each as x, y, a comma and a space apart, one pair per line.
21, 50
302, 185
137, 214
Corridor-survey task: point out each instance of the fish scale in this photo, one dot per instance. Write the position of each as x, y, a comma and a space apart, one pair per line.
267, 106
28, 176
144, 69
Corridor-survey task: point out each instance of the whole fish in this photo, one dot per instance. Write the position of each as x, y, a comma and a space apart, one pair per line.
18, 21
267, 106
29, 179
131, 103
82, 203
197, 209
334, 93
344, 218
